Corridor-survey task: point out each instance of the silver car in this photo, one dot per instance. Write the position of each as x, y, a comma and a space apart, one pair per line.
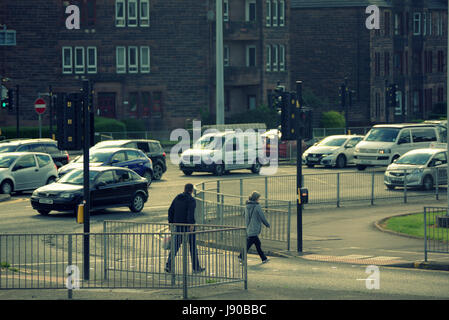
20, 171
332, 151
422, 168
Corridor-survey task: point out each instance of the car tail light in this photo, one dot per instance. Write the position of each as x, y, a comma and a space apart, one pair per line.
68, 158
163, 154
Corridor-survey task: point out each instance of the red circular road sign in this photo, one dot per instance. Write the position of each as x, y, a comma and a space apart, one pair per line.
40, 106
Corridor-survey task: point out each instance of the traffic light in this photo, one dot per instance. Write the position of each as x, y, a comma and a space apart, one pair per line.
305, 123
69, 124
289, 117
8, 99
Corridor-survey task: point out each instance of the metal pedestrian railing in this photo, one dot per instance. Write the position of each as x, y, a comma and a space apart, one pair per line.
436, 230
126, 255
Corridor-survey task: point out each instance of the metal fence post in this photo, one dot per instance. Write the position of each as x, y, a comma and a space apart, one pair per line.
338, 190
222, 210
69, 253
425, 234
241, 191
437, 183
105, 248
266, 192
288, 224
372, 188
405, 186
184, 265
203, 213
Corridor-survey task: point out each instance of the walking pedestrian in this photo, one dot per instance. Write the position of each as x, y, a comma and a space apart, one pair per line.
182, 211
254, 218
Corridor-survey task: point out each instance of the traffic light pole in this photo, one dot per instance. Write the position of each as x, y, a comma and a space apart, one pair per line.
298, 168
86, 184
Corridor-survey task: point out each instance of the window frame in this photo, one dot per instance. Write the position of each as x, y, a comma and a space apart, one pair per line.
120, 21
225, 10
133, 68
144, 21
226, 56
248, 49
133, 20
281, 62
281, 13
79, 68
417, 23
275, 58
65, 68
268, 63
274, 13
120, 68
248, 4
268, 13
145, 68
91, 69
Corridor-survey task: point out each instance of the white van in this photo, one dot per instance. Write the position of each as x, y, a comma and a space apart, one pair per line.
385, 143
221, 152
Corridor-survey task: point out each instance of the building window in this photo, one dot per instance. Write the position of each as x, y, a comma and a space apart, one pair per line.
90, 9
250, 10
121, 59
424, 18
251, 102
120, 13
144, 59
275, 58
281, 57
79, 60
440, 24
225, 10
144, 13
417, 23
132, 13
428, 61
133, 104
387, 23
132, 60
268, 65
398, 25
157, 108
146, 105
268, 13
281, 13
440, 61
274, 13
377, 64
67, 66
226, 56
387, 64
251, 56
91, 60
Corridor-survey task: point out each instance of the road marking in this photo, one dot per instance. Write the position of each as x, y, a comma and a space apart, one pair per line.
13, 201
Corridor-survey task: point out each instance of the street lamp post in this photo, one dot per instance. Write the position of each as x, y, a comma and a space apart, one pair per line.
219, 63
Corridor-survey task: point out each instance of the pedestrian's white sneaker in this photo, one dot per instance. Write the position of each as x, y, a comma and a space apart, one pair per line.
266, 260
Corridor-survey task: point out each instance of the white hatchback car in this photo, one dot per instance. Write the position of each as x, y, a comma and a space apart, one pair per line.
421, 168
332, 151
20, 171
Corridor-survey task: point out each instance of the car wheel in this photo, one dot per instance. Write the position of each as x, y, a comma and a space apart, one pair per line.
147, 175
427, 183
6, 187
219, 169
43, 212
361, 167
157, 172
390, 187
51, 180
187, 172
341, 161
137, 203
256, 167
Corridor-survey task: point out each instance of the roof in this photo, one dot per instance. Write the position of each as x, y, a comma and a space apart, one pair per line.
22, 141
112, 149
299, 4
405, 125
427, 150
19, 153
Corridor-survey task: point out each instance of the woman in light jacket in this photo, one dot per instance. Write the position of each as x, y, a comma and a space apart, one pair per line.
254, 218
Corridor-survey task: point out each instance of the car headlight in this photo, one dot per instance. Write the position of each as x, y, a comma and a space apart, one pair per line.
357, 149
417, 171
383, 151
66, 195
34, 194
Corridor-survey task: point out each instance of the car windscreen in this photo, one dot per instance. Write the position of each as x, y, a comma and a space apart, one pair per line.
77, 177
96, 156
382, 134
210, 142
414, 158
7, 160
7, 148
332, 142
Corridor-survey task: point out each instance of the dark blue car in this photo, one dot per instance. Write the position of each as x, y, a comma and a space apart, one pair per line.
132, 159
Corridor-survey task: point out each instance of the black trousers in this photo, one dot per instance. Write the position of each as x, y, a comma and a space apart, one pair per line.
256, 241
191, 238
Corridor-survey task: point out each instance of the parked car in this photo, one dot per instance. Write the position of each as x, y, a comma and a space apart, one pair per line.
419, 167
385, 143
285, 149
152, 148
133, 159
110, 187
221, 152
60, 157
337, 150
21, 171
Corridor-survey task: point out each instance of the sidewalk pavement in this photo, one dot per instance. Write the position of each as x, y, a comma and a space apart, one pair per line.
355, 234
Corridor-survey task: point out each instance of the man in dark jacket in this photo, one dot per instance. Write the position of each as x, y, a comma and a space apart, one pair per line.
182, 211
